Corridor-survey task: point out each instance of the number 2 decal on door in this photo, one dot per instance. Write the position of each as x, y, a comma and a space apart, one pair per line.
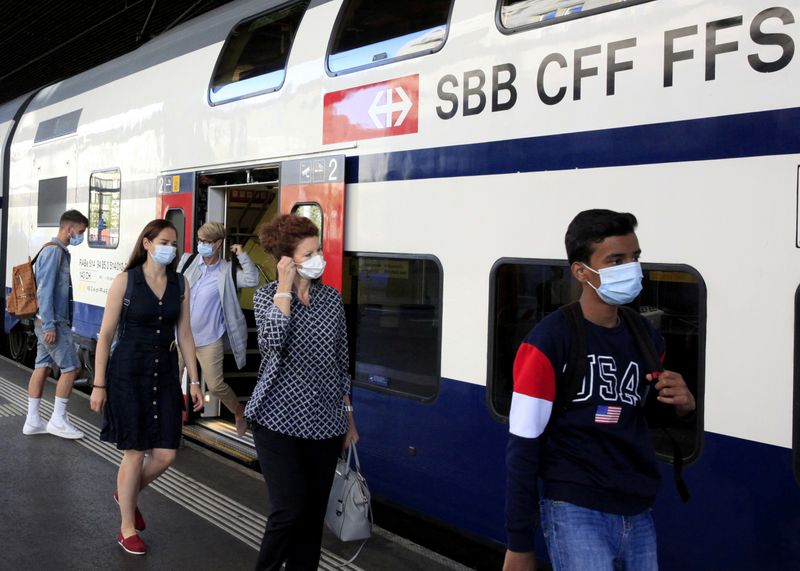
320, 181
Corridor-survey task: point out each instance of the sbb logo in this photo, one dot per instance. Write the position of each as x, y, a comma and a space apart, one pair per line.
382, 109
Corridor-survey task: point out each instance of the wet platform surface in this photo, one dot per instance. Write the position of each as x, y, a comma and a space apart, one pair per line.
206, 512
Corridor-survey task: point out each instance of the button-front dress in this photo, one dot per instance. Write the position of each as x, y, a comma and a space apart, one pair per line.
145, 401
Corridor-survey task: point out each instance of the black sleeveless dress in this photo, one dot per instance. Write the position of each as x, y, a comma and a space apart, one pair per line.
145, 401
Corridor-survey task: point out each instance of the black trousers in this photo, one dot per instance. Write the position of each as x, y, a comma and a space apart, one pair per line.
299, 473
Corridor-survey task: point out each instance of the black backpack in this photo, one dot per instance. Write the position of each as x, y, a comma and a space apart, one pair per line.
576, 370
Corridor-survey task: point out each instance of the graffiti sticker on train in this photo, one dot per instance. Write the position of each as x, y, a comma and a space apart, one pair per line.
383, 109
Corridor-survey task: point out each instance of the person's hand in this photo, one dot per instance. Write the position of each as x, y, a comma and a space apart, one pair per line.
287, 269
516, 561
98, 399
351, 436
197, 397
50, 337
672, 390
237, 249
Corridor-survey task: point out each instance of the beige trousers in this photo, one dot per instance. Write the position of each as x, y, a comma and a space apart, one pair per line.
210, 358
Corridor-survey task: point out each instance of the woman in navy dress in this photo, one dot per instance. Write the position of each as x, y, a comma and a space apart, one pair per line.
138, 388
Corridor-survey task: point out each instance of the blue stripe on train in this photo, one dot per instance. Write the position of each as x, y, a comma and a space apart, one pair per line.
762, 133
743, 513
86, 319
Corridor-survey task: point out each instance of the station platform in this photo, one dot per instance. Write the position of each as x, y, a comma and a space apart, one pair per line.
205, 512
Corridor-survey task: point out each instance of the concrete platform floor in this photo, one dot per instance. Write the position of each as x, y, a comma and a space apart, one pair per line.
57, 510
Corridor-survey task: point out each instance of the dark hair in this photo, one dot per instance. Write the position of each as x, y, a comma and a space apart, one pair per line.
591, 227
153, 229
281, 236
73, 217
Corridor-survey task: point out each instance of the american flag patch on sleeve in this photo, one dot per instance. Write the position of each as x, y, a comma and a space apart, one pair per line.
607, 414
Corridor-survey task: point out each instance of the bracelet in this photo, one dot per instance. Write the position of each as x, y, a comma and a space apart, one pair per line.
194, 382
348, 408
282, 295
99, 386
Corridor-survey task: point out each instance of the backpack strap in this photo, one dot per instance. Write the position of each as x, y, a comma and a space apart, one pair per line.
126, 302
652, 363
234, 270
644, 341
576, 365
48, 244
188, 263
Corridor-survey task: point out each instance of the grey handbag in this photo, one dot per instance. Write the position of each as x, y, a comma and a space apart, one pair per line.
349, 514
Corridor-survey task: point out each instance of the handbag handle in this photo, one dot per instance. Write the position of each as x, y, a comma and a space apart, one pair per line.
352, 452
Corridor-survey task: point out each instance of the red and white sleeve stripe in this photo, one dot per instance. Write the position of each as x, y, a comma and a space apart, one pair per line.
534, 392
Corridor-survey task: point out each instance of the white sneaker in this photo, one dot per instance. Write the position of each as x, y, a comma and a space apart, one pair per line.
34, 425
63, 428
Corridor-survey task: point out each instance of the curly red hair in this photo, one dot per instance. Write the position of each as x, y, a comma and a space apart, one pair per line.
281, 236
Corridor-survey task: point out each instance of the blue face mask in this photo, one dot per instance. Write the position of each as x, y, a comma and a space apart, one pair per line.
618, 284
164, 254
75, 240
205, 250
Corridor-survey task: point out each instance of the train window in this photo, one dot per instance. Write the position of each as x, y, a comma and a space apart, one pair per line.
374, 32
253, 59
796, 396
178, 218
394, 308
523, 292
524, 14
312, 211
104, 209
52, 200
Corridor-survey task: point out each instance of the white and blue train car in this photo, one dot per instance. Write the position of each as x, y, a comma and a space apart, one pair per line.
443, 147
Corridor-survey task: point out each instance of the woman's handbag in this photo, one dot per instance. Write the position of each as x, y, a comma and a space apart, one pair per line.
349, 514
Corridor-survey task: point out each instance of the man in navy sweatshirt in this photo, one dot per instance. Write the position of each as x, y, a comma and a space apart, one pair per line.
595, 460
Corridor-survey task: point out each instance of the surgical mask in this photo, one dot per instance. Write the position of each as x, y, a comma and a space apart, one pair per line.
75, 240
619, 284
205, 250
164, 254
313, 268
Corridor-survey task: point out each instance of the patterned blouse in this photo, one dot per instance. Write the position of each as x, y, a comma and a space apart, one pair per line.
303, 376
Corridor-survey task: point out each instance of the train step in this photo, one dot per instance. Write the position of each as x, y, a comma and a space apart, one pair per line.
220, 436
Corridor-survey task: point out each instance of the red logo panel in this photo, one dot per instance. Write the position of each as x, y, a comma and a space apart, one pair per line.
382, 109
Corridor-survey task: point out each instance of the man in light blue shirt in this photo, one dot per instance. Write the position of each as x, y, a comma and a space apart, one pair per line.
53, 327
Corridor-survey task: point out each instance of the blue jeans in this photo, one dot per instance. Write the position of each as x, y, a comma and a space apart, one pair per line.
581, 539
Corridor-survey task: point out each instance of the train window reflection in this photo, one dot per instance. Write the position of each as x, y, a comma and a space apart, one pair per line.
104, 209
672, 299
253, 59
394, 307
515, 14
377, 31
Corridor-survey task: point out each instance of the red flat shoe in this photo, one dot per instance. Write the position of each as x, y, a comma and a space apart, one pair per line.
138, 519
133, 544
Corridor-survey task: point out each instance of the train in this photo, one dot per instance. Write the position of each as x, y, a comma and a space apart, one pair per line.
443, 147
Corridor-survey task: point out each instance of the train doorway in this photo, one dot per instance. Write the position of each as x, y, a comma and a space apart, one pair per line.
243, 201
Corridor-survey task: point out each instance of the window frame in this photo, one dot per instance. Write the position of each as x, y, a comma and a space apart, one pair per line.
560, 19
386, 61
796, 391
702, 331
228, 40
89, 207
297, 205
439, 322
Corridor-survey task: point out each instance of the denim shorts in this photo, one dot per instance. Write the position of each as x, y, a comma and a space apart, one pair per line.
61, 353
582, 539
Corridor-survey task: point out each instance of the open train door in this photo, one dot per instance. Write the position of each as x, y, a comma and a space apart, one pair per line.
314, 188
